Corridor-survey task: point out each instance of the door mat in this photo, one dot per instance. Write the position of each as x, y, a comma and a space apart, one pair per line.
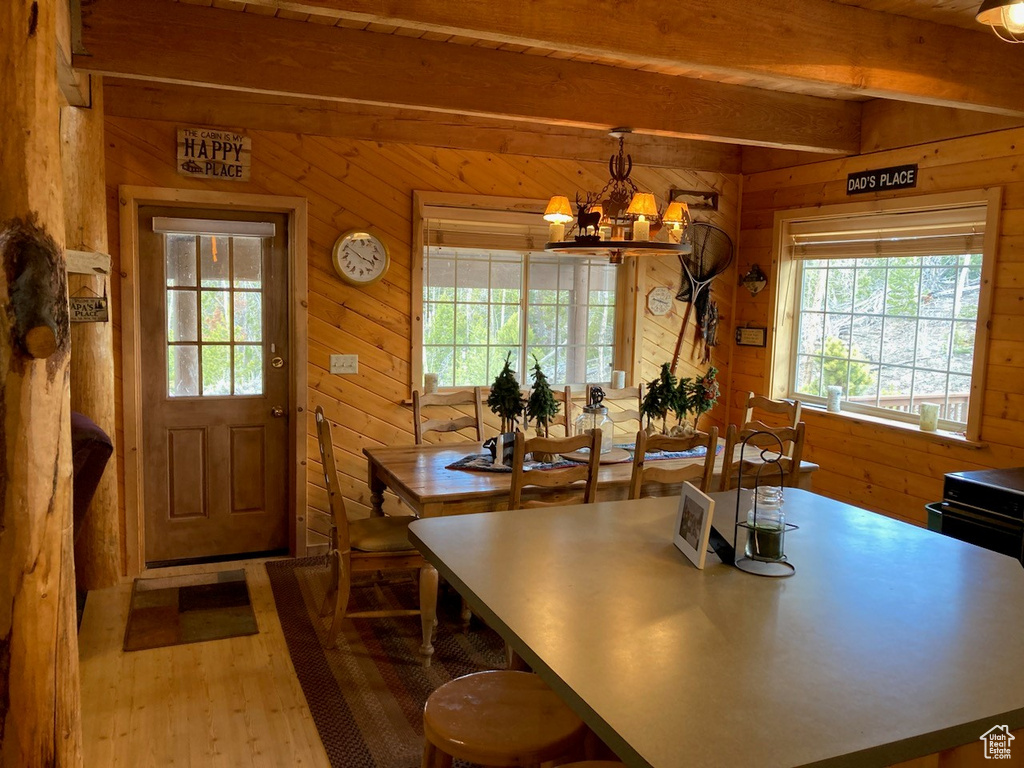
189, 609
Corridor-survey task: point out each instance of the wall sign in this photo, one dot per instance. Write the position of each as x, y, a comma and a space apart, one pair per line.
881, 179
210, 153
88, 309
751, 336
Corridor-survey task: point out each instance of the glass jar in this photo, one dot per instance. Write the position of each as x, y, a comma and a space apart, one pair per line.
768, 526
596, 417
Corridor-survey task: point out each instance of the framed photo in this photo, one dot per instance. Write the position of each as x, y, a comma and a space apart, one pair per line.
693, 524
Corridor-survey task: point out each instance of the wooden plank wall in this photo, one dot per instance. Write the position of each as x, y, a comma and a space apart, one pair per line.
891, 470
353, 183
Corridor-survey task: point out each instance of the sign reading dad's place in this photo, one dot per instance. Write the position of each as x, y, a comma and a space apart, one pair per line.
882, 179
211, 153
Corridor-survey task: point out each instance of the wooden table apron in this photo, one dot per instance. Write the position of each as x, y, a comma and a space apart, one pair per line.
889, 643
418, 475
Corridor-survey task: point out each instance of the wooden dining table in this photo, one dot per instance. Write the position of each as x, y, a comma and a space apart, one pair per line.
420, 476
888, 643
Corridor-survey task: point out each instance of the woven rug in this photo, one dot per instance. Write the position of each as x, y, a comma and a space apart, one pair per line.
367, 695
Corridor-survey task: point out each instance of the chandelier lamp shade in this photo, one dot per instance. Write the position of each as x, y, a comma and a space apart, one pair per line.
1006, 17
619, 220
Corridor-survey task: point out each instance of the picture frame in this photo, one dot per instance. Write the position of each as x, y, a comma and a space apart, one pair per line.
693, 524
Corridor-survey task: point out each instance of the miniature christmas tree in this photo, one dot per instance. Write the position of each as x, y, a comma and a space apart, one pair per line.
660, 398
505, 399
704, 394
542, 406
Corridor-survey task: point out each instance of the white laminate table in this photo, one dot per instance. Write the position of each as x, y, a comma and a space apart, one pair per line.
890, 642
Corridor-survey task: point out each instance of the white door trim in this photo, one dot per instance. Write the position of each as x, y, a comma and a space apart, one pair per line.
131, 198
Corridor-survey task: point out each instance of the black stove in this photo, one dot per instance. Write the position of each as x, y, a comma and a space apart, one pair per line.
983, 507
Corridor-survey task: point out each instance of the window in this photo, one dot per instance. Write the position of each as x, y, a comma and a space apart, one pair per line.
887, 306
214, 306
489, 291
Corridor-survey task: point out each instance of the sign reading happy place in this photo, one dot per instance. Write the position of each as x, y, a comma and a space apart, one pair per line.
211, 153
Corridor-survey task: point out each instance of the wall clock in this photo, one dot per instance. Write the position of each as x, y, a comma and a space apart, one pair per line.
659, 300
360, 257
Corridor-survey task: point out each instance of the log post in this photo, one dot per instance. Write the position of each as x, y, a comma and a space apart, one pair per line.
98, 545
40, 720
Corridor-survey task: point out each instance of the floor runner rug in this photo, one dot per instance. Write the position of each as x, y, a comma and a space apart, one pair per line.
367, 694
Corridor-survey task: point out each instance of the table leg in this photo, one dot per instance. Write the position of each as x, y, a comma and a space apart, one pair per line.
428, 610
377, 487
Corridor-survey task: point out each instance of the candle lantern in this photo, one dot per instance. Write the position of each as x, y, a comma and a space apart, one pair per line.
764, 524
595, 416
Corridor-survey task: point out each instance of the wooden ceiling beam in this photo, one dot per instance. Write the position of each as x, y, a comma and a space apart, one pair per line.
240, 111
179, 43
784, 43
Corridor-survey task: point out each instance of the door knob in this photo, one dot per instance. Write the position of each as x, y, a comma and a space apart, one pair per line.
277, 411
277, 362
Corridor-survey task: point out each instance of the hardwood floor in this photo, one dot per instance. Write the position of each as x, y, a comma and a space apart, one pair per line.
218, 704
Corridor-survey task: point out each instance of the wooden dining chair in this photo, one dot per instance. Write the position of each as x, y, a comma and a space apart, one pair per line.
792, 439
471, 397
646, 471
374, 544
562, 479
623, 407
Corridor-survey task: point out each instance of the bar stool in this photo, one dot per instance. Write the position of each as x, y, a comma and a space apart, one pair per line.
499, 718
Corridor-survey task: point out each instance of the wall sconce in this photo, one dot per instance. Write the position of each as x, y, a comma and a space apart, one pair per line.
1006, 17
755, 280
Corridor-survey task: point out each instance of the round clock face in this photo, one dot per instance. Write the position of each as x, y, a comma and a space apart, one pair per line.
659, 300
360, 257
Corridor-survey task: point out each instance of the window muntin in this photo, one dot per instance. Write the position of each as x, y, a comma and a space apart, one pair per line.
480, 304
892, 332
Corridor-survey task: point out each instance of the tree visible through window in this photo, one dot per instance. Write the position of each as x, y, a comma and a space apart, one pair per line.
892, 333
480, 304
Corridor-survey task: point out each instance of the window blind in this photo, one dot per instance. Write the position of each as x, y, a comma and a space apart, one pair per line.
937, 232
482, 229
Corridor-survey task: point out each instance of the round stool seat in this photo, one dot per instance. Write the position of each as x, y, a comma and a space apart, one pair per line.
500, 718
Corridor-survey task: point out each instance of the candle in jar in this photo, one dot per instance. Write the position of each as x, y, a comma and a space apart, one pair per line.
556, 232
641, 229
835, 396
929, 417
429, 382
618, 379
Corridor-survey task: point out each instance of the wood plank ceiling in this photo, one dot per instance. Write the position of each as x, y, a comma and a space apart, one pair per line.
700, 83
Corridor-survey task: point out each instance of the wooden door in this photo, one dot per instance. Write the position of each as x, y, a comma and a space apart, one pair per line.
215, 381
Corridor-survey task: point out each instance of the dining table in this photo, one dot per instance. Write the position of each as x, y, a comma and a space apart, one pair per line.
887, 643
423, 478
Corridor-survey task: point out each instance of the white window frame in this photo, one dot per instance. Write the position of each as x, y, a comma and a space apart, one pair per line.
784, 287
623, 343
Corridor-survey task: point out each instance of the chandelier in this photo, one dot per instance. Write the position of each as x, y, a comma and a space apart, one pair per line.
618, 221
1006, 17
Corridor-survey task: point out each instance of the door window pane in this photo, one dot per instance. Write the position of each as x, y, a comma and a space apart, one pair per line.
182, 323
214, 261
180, 260
183, 370
216, 316
247, 257
248, 370
216, 369
248, 316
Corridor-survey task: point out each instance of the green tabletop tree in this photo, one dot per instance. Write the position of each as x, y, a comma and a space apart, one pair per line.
660, 397
505, 399
542, 406
704, 394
